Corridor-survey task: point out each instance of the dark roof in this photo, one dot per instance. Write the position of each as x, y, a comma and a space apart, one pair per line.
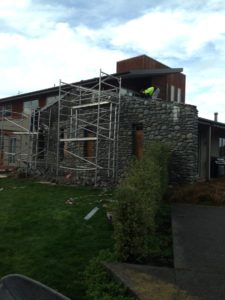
49, 91
124, 75
150, 72
211, 123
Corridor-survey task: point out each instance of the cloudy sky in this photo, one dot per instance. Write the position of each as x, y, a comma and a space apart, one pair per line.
42, 41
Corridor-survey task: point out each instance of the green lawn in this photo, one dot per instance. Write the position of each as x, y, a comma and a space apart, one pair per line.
44, 238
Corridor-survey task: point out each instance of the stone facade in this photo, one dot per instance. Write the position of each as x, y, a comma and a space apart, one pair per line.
171, 123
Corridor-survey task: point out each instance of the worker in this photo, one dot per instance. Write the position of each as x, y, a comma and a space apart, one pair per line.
149, 91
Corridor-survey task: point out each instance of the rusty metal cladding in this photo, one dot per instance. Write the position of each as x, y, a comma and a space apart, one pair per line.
142, 62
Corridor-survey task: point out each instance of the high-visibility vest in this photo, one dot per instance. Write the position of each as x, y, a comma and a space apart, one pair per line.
149, 91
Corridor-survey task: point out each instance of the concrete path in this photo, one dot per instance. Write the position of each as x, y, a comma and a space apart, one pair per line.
199, 259
199, 250
148, 283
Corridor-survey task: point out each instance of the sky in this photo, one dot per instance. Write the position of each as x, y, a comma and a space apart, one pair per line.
43, 41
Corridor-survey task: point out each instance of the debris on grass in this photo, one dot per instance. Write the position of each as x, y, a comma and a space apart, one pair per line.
47, 182
110, 200
3, 176
109, 216
18, 187
1, 189
70, 201
91, 213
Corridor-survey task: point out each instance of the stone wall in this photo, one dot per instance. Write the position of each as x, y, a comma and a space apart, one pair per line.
174, 124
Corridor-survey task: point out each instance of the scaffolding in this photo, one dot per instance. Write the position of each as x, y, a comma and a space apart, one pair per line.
88, 128
78, 134
20, 141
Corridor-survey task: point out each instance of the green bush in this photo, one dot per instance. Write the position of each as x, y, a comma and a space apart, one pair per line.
161, 155
99, 283
139, 196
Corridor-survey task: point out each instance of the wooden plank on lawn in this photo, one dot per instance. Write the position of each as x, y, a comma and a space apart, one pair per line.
91, 213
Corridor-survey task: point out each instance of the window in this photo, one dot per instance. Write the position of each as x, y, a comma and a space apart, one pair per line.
51, 100
6, 110
179, 95
138, 138
172, 93
222, 147
30, 106
12, 150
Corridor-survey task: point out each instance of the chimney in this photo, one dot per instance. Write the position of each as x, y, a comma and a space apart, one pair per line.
216, 116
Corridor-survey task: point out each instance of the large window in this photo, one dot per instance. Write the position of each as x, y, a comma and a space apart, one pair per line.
6, 110
30, 106
222, 147
12, 150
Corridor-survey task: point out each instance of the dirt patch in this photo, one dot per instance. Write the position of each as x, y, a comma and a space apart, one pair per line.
210, 192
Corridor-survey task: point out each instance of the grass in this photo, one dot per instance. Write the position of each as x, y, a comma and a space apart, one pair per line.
48, 240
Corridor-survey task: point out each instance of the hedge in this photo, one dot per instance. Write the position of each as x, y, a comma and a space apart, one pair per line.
139, 196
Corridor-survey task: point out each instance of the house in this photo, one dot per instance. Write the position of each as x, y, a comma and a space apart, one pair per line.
211, 137
87, 131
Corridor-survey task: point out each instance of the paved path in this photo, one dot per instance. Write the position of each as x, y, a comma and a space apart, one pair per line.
199, 250
149, 283
199, 259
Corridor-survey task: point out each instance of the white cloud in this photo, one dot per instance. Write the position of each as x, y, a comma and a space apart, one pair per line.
40, 62
172, 32
209, 103
37, 46
13, 4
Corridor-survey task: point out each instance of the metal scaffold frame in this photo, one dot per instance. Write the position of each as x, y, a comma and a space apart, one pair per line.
88, 120
24, 130
78, 133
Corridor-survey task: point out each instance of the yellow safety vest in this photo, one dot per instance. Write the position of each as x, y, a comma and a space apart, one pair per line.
149, 91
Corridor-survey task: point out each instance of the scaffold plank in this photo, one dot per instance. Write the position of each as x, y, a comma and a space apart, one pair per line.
91, 104
78, 139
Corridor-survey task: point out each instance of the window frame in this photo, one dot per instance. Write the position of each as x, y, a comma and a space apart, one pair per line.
30, 108
6, 110
222, 146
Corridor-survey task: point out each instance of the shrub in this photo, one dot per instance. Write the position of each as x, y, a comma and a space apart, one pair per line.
139, 196
161, 155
